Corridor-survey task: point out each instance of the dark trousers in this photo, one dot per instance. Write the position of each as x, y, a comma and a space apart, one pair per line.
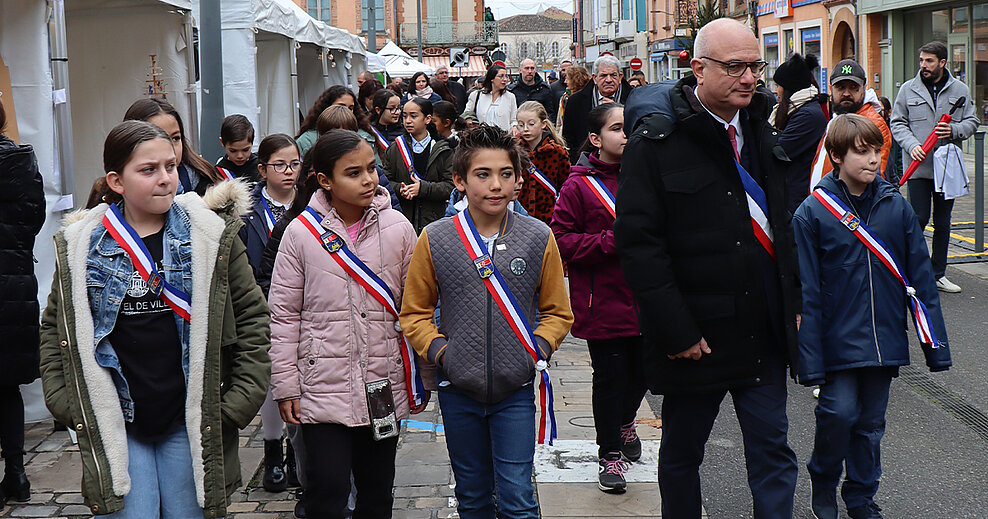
920, 194
618, 388
12, 427
332, 452
850, 423
771, 464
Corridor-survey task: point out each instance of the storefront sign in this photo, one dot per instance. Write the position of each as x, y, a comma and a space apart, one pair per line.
810, 34
666, 45
823, 80
772, 40
783, 8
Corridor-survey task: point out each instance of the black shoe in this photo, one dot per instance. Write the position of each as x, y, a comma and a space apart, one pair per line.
16, 487
631, 445
610, 473
291, 469
823, 502
868, 511
274, 475
299, 504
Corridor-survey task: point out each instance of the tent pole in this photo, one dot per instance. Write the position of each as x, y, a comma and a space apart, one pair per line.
325, 67
190, 90
65, 157
293, 60
211, 77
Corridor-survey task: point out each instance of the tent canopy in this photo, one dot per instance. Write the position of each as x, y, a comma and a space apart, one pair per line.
285, 18
399, 63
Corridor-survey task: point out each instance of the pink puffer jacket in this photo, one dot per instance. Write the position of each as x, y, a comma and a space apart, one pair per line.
328, 335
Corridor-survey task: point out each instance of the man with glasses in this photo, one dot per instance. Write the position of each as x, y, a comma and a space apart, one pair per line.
607, 85
705, 243
455, 87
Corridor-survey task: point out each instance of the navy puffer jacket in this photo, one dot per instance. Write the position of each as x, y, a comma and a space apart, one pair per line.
854, 309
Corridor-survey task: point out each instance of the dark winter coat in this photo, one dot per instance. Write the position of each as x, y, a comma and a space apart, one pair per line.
603, 305
22, 213
854, 309
430, 204
687, 248
575, 117
537, 92
254, 233
799, 139
460, 93
247, 171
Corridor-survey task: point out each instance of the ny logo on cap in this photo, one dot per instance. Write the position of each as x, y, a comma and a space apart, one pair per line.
846, 69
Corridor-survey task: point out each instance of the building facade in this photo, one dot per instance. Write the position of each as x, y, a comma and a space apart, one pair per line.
615, 27
542, 38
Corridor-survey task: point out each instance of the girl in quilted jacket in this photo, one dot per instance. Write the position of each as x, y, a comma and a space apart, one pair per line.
549, 160
335, 290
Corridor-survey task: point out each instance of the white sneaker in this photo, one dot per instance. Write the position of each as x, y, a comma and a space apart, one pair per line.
944, 285
816, 392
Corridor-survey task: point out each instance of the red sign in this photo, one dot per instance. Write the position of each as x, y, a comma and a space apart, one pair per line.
607, 53
635, 64
499, 63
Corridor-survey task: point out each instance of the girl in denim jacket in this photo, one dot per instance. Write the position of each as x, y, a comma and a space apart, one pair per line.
154, 307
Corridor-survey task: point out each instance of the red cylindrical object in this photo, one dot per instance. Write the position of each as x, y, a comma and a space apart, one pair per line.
931, 141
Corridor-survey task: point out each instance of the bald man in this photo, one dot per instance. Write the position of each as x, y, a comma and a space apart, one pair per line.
705, 244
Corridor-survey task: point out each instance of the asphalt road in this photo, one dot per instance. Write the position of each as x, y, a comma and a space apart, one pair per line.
935, 450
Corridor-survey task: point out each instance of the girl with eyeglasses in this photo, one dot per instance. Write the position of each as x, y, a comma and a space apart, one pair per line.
387, 116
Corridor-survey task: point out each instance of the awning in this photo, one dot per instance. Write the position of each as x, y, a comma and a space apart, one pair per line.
477, 66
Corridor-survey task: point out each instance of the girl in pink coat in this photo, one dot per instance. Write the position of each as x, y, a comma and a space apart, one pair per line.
340, 366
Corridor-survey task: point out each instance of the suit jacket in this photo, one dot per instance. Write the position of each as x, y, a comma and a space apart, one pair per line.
575, 118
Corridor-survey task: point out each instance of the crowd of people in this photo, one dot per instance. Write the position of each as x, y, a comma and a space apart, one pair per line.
413, 239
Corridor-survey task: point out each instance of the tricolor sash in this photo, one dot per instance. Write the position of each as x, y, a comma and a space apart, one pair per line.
227, 174
269, 220
140, 257
542, 179
512, 311
758, 210
602, 193
377, 289
921, 316
382, 141
406, 155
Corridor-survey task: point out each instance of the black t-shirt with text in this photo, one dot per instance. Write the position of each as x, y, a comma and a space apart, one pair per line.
145, 339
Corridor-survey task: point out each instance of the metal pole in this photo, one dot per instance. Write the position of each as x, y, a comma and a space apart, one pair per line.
979, 192
211, 76
371, 25
293, 46
64, 157
418, 12
188, 24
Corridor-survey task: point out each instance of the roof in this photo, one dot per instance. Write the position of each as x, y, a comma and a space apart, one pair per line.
535, 23
559, 14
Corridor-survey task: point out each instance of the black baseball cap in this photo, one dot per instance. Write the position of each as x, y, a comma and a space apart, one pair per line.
850, 70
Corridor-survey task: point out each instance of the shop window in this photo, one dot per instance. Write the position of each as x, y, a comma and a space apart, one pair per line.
772, 57
788, 44
811, 45
979, 55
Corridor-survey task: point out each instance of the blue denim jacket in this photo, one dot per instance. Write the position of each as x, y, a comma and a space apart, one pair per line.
108, 274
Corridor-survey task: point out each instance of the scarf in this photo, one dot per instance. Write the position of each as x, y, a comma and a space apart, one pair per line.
426, 93
796, 100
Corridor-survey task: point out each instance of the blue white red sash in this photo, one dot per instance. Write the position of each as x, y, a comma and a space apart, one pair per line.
377, 289
140, 257
406, 155
498, 288
758, 209
382, 141
602, 193
227, 174
921, 316
542, 179
269, 220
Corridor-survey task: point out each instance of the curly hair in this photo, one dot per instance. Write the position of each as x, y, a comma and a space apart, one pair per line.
486, 137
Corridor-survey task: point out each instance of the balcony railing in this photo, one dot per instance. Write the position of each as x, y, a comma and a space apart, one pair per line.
450, 33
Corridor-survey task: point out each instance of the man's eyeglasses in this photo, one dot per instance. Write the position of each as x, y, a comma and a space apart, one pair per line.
736, 68
281, 167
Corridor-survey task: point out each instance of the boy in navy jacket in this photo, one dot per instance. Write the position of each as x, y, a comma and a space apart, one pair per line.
853, 335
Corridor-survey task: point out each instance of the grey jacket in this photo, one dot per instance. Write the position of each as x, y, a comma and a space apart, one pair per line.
916, 113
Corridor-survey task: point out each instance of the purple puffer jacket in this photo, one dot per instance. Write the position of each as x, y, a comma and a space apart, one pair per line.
603, 307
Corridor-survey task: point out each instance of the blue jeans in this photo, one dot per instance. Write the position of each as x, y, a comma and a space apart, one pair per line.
771, 464
161, 481
491, 448
850, 423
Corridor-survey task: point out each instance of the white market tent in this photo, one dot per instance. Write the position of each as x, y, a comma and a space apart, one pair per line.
287, 60
399, 64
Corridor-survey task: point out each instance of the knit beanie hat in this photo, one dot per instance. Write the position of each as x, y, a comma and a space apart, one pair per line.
796, 73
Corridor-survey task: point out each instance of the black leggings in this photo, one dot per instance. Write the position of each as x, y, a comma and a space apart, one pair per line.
618, 388
332, 451
12, 427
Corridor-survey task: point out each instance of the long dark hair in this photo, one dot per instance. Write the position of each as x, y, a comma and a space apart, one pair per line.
426, 106
118, 148
322, 158
144, 109
325, 99
595, 124
442, 89
487, 84
381, 99
272, 144
367, 91
411, 83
